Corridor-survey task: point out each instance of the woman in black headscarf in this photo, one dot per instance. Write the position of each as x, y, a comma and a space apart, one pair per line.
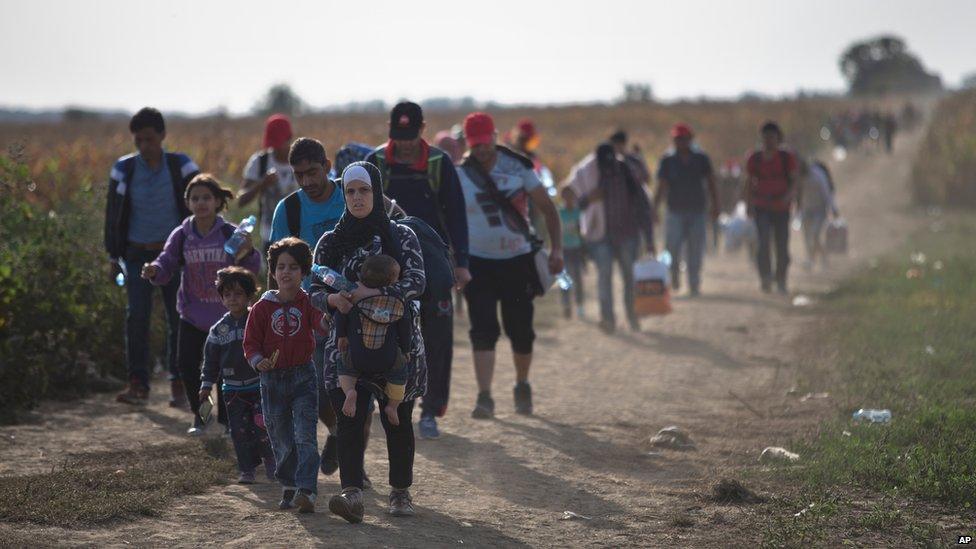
364, 230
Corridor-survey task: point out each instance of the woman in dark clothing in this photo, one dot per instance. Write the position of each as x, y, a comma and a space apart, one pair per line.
365, 230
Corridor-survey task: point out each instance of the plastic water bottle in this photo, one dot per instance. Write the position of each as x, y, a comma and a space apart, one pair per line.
233, 244
873, 416
564, 281
123, 274
333, 278
665, 257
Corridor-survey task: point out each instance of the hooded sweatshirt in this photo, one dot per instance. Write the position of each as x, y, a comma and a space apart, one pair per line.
200, 257
284, 327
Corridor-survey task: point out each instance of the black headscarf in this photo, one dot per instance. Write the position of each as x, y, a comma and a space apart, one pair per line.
352, 233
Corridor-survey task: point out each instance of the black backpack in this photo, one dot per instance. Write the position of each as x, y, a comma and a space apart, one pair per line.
830, 178
438, 267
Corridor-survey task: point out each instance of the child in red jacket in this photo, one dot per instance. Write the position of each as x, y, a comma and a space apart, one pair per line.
278, 342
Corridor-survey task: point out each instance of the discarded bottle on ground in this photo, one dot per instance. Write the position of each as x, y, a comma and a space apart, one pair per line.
564, 281
233, 244
872, 416
333, 278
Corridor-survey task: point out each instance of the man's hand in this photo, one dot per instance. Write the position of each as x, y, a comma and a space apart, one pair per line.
204, 394
270, 179
149, 271
340, 301
461, 277
556, 264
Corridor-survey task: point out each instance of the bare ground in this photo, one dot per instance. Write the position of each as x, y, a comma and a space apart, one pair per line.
598, 399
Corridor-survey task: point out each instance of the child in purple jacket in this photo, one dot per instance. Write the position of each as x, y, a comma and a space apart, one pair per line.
197, 247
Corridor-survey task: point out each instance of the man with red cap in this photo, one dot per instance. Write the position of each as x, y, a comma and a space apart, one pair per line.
525, 139
267, 175
498, 184
424, 182
682, 176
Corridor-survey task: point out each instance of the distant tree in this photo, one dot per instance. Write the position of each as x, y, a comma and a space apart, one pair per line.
280, 98
79, 114
969, 81
884, 65
637, 92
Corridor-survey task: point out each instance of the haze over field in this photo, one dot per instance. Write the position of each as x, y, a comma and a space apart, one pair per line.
195, 56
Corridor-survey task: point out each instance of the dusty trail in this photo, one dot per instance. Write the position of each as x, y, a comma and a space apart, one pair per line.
598, 399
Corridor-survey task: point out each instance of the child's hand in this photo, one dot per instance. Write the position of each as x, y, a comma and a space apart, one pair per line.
343, 344
204, 394
264, 366
149, 271
391, 412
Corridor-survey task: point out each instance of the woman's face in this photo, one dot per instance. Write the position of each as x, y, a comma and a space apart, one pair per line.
359, 199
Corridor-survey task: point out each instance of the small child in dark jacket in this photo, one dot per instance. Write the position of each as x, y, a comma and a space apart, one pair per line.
374, 337
224, 356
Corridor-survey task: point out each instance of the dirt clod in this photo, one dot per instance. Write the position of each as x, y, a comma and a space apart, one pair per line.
732, 491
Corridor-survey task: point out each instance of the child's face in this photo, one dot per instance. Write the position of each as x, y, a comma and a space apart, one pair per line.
288, 273
235, 300
202, 202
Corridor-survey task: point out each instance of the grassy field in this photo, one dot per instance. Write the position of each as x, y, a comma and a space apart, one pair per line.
945, 169
905, 341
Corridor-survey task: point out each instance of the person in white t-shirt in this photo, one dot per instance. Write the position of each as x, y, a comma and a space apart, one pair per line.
498, 185
815, 201
268, 176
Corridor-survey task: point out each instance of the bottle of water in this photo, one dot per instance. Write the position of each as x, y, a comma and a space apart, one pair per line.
665, 257
564, 281
872, 416
333, 278
120, 278
233, 244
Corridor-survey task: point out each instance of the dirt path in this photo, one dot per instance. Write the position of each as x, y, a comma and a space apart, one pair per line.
598, 399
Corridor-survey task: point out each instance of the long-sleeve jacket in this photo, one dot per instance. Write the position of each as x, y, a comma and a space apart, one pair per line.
408, 288
199, 257
223, 355
287, 328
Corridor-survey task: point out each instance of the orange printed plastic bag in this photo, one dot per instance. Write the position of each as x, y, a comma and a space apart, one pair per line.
652, 288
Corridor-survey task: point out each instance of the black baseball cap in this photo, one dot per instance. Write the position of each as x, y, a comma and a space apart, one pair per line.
406, 118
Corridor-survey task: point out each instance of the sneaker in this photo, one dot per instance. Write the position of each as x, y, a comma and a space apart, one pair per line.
485, 407
287, 499
133, 394
330, 459
269, 468
247, 477
367, 484
428, 427
634, 324
767, 286
401, 504
305, 501
579, 312
608, 326
348, 505
523, 398
197, 428
781, 288
177, 394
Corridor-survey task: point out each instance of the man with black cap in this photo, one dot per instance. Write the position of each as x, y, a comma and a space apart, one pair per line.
422, 180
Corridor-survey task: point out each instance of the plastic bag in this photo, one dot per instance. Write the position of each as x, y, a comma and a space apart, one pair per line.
835, 240
652, 288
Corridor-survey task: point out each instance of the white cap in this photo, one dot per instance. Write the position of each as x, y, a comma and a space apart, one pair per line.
356, 173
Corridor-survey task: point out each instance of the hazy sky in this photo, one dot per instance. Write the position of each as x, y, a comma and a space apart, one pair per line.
196, 55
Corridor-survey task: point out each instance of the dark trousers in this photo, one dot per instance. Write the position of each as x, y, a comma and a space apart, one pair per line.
437, 325
351, 438
505, 281
137, 315
574, 258
189, 350
773, 225
251, 443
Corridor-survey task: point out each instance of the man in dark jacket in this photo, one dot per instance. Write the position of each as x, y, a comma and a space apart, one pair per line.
145, 203
422, 180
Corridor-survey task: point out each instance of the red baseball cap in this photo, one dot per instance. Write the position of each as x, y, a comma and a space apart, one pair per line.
681, 130
479, 128
526, 128
277, 131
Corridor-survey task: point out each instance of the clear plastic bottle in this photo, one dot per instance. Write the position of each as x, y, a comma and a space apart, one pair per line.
120, 278
564, 281
333, 278
233, 244
665, 257
872, 415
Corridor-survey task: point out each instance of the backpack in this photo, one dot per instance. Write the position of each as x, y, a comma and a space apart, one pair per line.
784, 160
830, 178
349, 153
438, 268
293, 213
379, 331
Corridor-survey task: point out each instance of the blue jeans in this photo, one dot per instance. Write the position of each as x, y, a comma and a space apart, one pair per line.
773, 225
686, 228
137, 315
290, 400
603, 254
